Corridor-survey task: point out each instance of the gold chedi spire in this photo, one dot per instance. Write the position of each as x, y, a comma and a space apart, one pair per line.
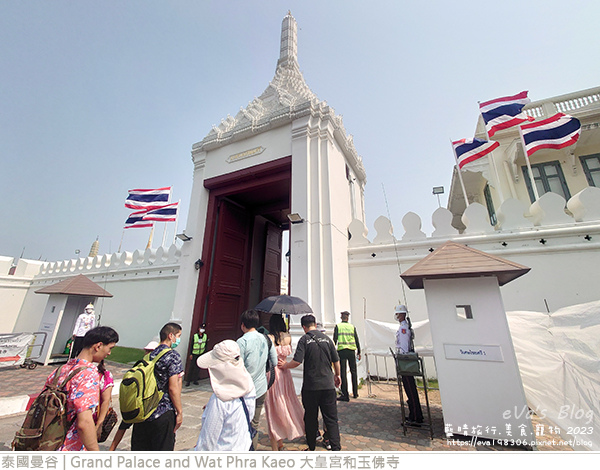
94, 248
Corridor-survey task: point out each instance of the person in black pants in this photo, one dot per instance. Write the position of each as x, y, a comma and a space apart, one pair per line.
404, 345
318, 353
348, 348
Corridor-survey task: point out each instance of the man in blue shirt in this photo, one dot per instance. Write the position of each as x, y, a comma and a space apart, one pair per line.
255, 351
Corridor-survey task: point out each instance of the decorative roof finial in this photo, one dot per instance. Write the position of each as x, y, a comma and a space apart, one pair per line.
288, 55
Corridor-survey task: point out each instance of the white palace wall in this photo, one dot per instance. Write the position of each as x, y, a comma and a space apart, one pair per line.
142, 284
563, 255
14, 288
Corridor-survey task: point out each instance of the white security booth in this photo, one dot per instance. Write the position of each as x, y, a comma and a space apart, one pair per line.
480, 384
67, 300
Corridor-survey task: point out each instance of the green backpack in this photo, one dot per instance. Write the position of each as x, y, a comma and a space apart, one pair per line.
139, 394
46, 425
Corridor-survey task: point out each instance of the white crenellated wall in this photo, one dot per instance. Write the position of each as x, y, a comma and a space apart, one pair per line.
13, 288
142, 283
562, 250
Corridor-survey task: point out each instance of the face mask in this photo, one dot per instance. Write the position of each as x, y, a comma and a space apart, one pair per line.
202, 331
175, 343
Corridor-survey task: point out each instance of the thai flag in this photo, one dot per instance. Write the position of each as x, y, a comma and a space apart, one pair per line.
503, 113
468, 150
136, 220
556, 132
166, 213
147, 199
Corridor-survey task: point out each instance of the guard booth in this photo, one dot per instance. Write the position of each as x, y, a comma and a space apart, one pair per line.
67, 301
480, 384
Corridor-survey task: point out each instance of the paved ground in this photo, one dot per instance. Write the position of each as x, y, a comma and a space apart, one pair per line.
366, 424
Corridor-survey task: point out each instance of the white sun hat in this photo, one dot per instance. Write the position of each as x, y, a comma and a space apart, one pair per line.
228, 376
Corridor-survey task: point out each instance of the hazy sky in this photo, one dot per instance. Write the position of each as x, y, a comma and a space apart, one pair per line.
100, 97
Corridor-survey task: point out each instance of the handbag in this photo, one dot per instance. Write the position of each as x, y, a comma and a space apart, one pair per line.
250, 427
108, 424
408, 364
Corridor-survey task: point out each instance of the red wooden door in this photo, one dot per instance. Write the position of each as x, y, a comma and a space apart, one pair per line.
227, 294
271, 281
271, 277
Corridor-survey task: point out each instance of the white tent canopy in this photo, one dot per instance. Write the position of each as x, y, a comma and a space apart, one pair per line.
559, 360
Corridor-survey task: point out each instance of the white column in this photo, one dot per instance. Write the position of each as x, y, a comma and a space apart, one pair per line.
300, 261
187, 284
319, 256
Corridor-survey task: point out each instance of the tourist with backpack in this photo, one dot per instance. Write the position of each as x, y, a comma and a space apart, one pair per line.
49, 424
157, 431
124, 426
256, 351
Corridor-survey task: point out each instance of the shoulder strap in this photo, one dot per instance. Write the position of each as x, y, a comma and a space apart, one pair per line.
326, 351
157, 357
269, 346
247, 415
72, 374
269, 342
56, 376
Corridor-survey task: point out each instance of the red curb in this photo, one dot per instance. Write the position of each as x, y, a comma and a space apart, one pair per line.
32, 397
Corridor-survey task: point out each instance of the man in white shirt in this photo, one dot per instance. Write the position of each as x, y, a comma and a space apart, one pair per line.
404, 345
85, 322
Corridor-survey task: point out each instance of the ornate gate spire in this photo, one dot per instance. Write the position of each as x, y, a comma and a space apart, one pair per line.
288, 55
286, 98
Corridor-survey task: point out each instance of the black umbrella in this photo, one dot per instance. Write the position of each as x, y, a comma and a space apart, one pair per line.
284, 304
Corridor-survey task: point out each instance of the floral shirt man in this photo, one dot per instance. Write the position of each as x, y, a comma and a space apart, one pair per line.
83, 394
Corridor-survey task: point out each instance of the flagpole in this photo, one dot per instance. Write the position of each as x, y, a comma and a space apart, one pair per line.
164, 235
121, 243
491, 158
462, 183
529, 170
176, 222
165, 229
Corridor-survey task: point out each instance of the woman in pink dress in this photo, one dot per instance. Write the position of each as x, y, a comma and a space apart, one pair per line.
285, 415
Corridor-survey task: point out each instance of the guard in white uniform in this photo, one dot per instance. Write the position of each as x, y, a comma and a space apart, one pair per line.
85, 322
404, 345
